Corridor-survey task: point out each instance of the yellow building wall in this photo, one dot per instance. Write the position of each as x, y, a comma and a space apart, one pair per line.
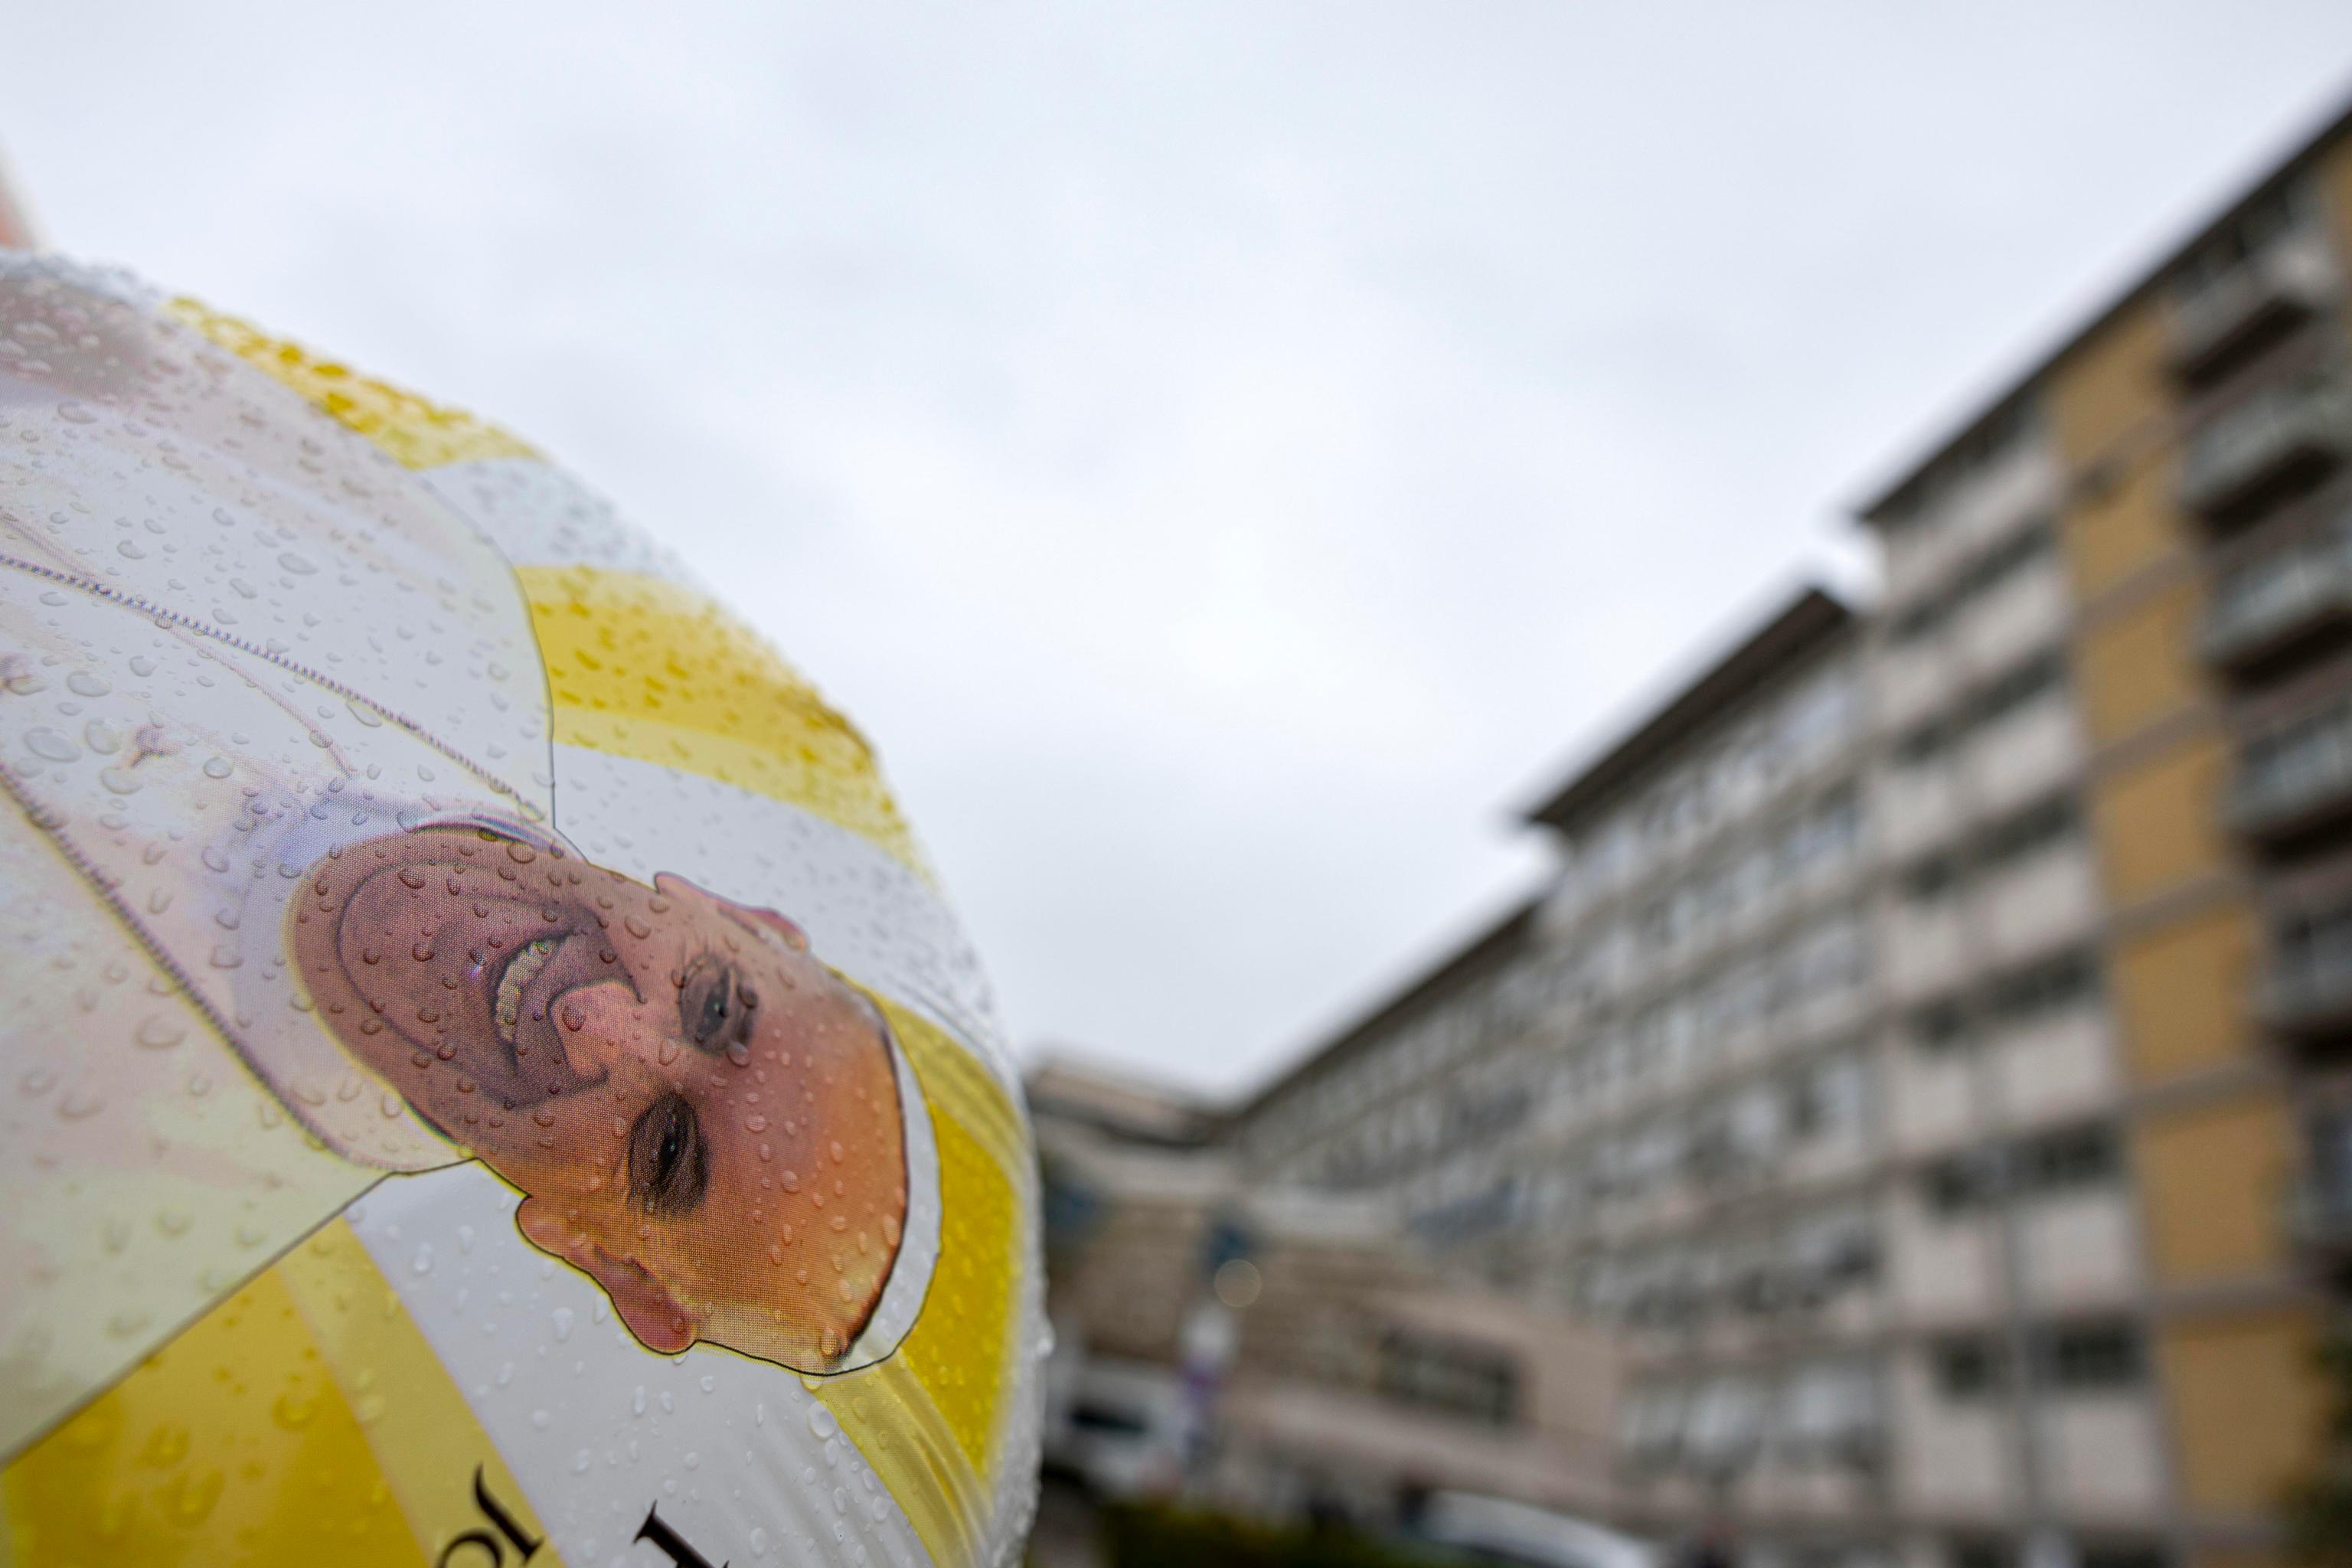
2181, 991
2126, 527
2246, 1408
2139, 665
2334, 183
2214, 1186
2108, 385
2160, 823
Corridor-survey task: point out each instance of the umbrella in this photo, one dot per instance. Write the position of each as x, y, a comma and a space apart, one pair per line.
491, 1075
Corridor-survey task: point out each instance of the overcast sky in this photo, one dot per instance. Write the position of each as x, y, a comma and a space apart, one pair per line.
1227, 454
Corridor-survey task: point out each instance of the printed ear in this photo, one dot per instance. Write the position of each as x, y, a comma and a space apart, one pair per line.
758, 920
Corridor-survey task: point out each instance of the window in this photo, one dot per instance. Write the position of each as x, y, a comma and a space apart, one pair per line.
2317, 938
1939, 1026
1987, 572
1956, 1184
1828, 1098
1661, 1290
2088, 1356
2276, 216
2027, 994
1655, 1152
1816, 717
2302, 758
2278, 587
1756, 1123
1830, 1410
1827, 1251
1751, 1275
1984, 1551
1923, 743
2119, 1554
1650, 1427
1969, 1368
1823, 835
2027, 832
1461, 1378
1993, 439
2035, 677
1932, 879
2080, 1156
1734, 1002
1727, 1418
1990, 704
1662, 1038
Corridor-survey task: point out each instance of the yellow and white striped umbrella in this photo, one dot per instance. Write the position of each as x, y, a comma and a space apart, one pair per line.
488, 1076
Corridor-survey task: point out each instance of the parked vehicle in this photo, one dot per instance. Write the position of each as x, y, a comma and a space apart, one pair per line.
1118, 1427
1469, 1528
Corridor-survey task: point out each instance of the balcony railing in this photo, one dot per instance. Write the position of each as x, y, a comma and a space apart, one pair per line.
2309, 988
2290, 281
2295, 790
2319, 1215
2302, 426
2267, 605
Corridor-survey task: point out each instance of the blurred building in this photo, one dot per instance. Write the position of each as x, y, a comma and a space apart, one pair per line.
1647, 1098
2134, 1202
1930, 1062
1271, 1348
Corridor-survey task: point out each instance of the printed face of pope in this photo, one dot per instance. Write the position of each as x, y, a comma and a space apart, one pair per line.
700, 1115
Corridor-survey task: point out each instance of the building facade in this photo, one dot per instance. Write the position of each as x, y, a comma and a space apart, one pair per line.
2186, 454
1271, 1350
1649, 1097
1928, 1060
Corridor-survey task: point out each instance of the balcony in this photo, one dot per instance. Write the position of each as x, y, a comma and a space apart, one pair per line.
2270, 605
2289, 430
2223, 317
2319, 1217
2309, 988
2295, 781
